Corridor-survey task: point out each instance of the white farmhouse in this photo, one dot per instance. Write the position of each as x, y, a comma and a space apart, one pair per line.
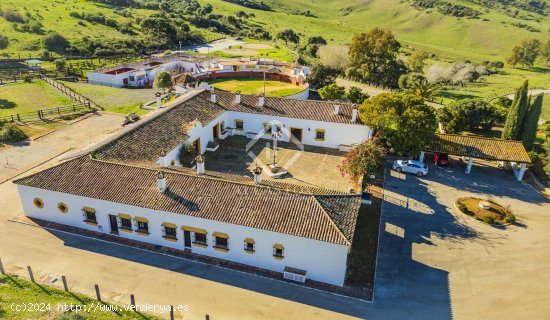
142, 74
119, 188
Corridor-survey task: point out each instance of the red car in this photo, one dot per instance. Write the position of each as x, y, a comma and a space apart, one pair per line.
441, 159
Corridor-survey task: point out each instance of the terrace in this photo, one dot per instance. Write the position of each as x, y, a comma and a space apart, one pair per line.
312, 167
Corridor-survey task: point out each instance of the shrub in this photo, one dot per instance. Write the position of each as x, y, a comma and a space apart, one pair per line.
4, 42
12, 16
9, 132
60, 64
55, 41
510, 218
488, 219
187, 155
27, 78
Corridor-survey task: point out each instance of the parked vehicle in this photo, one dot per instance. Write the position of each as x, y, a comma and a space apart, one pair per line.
441, 159
411, 166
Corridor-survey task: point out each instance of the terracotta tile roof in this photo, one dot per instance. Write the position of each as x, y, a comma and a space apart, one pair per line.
328, 218
480, 147
143, 144
288, 108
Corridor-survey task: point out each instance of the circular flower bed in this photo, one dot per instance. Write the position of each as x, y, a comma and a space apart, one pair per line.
485, 210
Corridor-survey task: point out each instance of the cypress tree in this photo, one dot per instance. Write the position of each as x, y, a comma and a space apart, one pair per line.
531, 123
516, 114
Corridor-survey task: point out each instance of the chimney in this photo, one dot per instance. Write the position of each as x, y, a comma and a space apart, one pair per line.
158, 96
354, 115
238, 97
200, 164
161, 181
213, 96
336, 109
257, 175
162, 158
261, 100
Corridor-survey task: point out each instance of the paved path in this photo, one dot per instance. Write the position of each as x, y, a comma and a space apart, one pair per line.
217, 45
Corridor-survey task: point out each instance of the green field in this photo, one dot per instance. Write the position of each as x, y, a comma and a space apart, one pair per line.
256, 86
117, 100
54, 15
27, 97
16, 293
448, 37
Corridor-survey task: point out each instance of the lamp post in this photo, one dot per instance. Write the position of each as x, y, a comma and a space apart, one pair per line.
275, 135
180, 45
264, 83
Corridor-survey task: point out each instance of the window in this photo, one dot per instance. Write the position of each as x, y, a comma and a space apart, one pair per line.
249, 245
132, 78
278, 251
89, 215
222, 125
320, 134
38, 203
62, 207
142, 227
239, 124
200, 239
221, 241
170, 232
125, 224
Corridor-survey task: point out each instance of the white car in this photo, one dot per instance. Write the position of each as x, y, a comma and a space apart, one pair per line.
411, 166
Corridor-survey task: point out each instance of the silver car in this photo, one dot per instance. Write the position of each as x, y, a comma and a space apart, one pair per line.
411, 166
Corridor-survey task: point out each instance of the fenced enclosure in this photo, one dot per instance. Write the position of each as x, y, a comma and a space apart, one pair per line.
47, 114
72, 94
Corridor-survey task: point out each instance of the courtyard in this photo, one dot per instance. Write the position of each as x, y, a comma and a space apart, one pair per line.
313, 166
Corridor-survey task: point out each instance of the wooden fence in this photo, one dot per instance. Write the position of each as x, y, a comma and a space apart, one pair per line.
72, 94
46, 114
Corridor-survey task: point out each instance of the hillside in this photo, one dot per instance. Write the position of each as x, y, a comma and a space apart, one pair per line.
488, 37
424, 24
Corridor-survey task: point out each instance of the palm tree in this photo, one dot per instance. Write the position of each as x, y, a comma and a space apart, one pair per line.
423, 89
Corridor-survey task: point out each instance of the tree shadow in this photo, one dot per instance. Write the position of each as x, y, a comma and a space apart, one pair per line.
7, 104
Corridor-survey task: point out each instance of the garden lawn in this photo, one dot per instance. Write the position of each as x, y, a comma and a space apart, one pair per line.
119, 100
17, 291
28, 97
256, 86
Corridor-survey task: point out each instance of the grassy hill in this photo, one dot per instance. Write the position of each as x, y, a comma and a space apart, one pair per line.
490, 37
55, 15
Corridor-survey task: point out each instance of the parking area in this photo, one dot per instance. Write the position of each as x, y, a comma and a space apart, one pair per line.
440, 264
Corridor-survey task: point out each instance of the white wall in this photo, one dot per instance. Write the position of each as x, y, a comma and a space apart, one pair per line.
336, 134
108, 79
118, 80
302, 95
323, 261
